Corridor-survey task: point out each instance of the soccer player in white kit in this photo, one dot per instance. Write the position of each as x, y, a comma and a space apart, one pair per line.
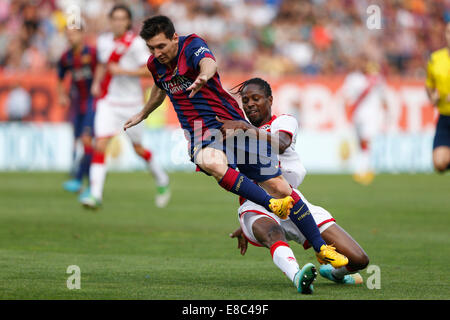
364, 94
122, 57
263, 228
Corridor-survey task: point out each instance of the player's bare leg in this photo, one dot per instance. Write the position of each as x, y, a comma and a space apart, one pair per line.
345, 244
271, 235
162, 179
441, 158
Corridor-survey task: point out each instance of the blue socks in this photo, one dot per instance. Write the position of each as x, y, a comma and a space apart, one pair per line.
239, 184
304, 221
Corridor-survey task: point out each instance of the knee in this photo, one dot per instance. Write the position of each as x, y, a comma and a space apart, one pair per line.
278, 187
441, 159
274, 234
86, 140
359, 261
213, 162
100, 145
440, 166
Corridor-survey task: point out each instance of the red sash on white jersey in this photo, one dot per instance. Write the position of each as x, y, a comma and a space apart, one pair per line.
121, 46
373, 80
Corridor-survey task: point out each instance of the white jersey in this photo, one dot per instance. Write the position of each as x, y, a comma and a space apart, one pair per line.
369, 113
357, 82
290, 164
124, 90
294, 172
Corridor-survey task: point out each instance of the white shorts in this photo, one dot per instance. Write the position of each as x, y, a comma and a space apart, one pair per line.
249, 212
110, 118
368, 122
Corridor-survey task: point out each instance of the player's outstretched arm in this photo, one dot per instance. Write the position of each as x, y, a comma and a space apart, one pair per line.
208, 68
157, 97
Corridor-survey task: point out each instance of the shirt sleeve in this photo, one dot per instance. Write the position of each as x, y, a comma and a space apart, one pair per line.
285, 123
196, 50
140, 51
102, 54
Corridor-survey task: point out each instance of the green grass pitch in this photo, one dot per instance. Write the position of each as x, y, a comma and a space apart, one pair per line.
131, 250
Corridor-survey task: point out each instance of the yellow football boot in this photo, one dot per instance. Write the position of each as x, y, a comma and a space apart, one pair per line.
282, 207
328, 254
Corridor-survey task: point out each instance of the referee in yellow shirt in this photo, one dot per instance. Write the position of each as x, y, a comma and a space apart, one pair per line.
438, 90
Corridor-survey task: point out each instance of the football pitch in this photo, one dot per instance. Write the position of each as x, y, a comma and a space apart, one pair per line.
129, 249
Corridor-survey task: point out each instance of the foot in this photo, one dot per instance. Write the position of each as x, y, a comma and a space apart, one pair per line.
326, 271
328, 254
282, 207
84, 193
304, 278
364, 178
162, 197
73, 185
90, 202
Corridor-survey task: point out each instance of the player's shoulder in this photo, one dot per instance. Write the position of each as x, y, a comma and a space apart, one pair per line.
439, 54
105, 36
284, 117
285, 122
192, 40
104, 39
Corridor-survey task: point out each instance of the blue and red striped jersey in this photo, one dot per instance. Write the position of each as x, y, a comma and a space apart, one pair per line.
211, 101
81, 65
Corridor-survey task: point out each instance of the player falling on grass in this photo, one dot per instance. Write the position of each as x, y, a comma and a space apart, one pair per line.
122, 56
438, 90
80, 61
261, 227
185, 69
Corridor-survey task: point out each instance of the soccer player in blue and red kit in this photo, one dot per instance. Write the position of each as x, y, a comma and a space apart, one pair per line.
184, 68
80, 61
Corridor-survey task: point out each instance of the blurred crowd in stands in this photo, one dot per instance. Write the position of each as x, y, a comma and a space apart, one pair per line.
273, 37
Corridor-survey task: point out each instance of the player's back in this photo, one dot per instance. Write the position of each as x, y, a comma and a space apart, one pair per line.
81, 64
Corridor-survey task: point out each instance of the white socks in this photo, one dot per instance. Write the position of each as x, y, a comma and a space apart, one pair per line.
161, 177
284, 258
97, 179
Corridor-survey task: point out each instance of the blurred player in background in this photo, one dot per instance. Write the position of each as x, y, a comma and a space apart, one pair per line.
364, 96
80, 61
261, 227
185, 69
438, 90
122, 57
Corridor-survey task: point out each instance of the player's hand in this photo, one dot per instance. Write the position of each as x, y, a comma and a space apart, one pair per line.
197, 85
95, 90
230, 126
134, 120
435, 96
242, 241
115, 69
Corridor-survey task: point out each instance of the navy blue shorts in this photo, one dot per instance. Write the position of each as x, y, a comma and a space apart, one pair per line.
442, 136
84, 122
253, 158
